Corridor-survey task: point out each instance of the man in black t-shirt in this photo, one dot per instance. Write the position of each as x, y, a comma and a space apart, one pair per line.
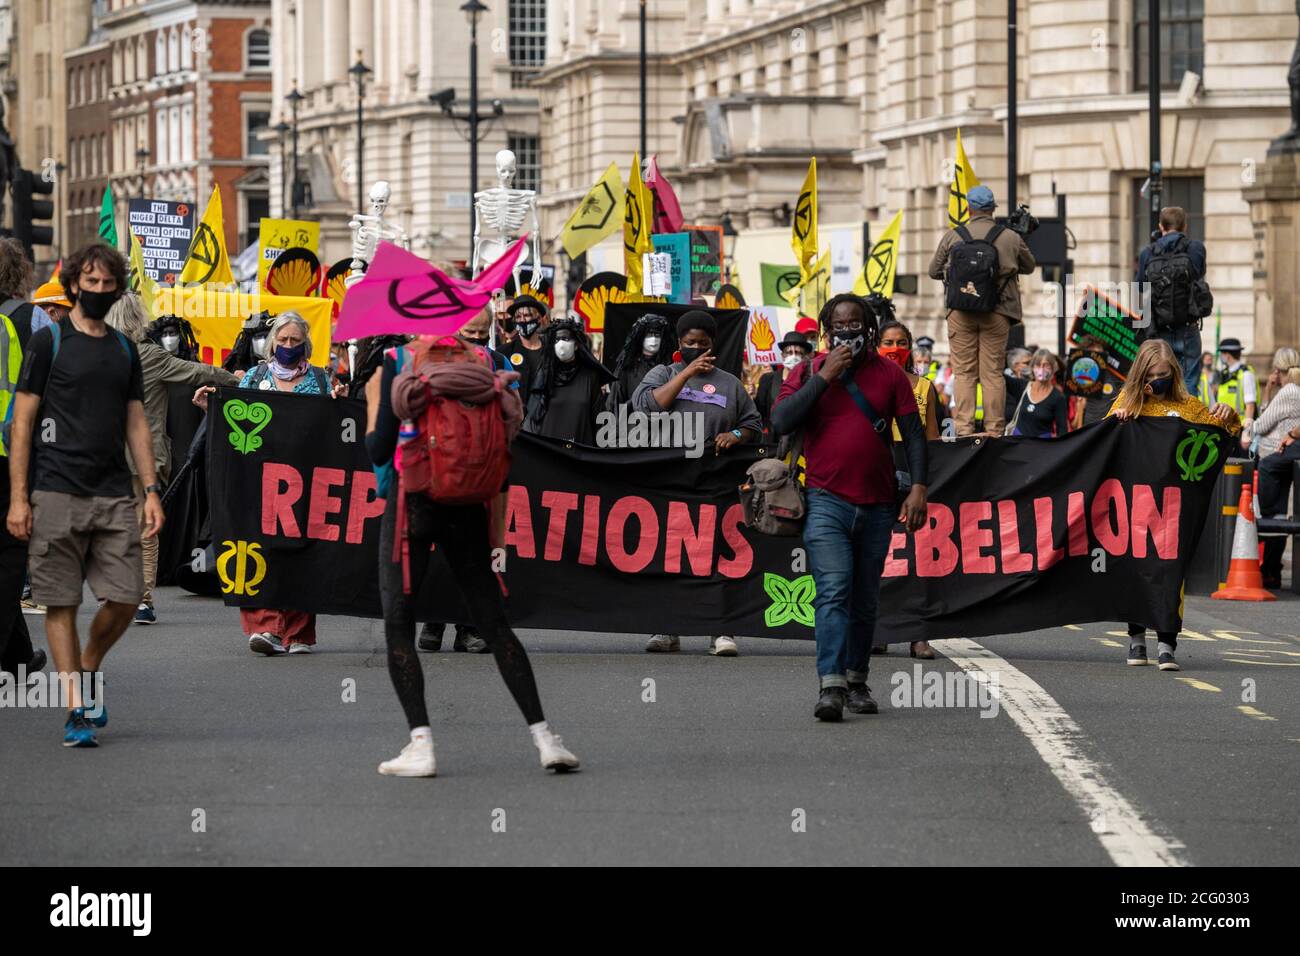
79, 404
526, 351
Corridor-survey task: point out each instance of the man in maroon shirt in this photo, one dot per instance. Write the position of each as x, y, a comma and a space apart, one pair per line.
844, 401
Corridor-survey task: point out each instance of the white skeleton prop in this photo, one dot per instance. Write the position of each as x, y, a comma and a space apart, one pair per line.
367, 231
501, 215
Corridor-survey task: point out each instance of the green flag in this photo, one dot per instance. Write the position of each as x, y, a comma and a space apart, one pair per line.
107, 220
778, 280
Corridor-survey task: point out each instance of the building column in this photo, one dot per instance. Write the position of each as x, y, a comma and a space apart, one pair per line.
335, 47
427, 26
361, 21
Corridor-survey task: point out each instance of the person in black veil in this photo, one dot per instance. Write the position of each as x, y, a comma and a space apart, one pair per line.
651, 342
566, 391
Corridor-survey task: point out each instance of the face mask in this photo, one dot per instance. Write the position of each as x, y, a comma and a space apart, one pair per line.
290, 357
650, 344
259, 345
856, 341
565, 350
898, 354
792, 360
171, 342
527, 329
1160, 386
95, 305
691, 353
920, 368
1042, 374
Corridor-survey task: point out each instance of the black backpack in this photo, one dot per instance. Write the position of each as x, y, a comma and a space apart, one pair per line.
972, 282
1178, 298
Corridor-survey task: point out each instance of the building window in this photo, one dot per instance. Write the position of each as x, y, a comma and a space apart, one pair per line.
257, 207
1182, 47
256, 121
1185, 191
528, 160
187, 133
160, 139
159, 54
103, 80
174, 51
259, 50
174, 134
187, 48
527, 40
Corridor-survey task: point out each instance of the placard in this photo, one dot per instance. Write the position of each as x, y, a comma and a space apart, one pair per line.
165, 229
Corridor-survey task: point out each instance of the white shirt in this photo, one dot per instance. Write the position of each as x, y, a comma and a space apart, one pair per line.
1249, 387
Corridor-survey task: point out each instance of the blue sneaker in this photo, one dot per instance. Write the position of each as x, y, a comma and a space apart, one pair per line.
144, 615
77, 731
1137, 652
101, 720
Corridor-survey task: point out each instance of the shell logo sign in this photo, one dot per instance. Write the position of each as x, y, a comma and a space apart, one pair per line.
761, 338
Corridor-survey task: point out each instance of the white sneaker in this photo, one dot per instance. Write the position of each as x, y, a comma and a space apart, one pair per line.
724, 647
298, 647
415, 760
265, 643
555, 756
663, 644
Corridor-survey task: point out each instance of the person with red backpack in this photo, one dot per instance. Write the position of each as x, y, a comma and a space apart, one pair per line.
444, 424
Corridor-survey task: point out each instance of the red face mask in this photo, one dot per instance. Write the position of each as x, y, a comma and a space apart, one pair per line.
900, 355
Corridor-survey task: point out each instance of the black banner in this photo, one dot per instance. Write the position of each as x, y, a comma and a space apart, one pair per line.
1023, 533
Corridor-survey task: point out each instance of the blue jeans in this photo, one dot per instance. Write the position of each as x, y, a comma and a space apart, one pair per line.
846, 546
1186, 343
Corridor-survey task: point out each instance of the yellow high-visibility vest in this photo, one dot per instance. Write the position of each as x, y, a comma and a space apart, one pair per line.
11, 363
1230, 389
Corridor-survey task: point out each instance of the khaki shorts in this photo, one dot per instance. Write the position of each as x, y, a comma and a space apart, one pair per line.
77, 538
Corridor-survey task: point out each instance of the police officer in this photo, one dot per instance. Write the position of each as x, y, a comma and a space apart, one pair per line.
1238, 386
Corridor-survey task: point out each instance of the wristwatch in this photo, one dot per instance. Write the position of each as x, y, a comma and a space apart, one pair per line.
738, 433
156, 488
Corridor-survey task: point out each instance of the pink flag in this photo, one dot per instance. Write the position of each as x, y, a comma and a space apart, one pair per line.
402, 293
668, 212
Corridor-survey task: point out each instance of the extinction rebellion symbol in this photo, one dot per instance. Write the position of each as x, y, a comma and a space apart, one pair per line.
244, 554
791, 600
1189, 455
236, 412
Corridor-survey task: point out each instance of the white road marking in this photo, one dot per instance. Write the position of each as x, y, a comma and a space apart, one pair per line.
1061, 743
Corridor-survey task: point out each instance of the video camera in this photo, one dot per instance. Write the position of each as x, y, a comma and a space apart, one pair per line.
1022, 220
175, 335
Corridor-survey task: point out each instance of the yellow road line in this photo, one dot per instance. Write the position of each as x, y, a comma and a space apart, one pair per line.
1199, 684
1254, 714
1238, 660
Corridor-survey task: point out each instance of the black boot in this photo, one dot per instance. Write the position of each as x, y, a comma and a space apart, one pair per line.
430, 637
830, 704
861, 701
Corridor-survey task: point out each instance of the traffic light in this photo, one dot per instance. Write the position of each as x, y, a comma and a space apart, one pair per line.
29, 212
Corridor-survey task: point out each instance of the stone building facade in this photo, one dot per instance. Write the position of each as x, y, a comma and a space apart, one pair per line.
741, 92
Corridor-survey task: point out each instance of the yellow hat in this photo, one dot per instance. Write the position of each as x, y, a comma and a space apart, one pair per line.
51, 293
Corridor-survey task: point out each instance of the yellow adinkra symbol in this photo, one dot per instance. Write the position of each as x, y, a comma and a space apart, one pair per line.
243, 582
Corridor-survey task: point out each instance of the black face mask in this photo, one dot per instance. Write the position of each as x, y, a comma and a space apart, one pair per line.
528, 329
691, 353
472, 340
95, 305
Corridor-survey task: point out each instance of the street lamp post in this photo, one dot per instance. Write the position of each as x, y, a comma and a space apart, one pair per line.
294, 99
643, 104
280, 129
359, 72
473, 9
1153, 81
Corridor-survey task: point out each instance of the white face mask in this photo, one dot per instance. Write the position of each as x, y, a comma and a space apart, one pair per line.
565, 349
650, 344
171, 341
791, 360
259, 345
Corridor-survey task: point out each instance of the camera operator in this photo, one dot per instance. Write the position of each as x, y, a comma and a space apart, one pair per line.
983, 299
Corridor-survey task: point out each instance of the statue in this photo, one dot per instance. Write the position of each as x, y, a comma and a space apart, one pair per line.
1289, 142
368, 230
500, 215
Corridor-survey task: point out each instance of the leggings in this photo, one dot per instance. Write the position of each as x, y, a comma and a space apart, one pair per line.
461, 531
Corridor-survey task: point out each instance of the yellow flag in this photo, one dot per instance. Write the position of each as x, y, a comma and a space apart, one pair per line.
638, 208
963, 181
597, 216
803, 230
207, 262
140, 280
814, 292
882, 262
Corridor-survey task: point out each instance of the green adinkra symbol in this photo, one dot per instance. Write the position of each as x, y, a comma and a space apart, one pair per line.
791, 600
256, 414
1189, 455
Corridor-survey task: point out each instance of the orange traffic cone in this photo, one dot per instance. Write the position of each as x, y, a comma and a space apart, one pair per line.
1245, 580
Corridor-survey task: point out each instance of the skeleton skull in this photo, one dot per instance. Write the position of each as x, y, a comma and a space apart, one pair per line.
505, 168
379, 194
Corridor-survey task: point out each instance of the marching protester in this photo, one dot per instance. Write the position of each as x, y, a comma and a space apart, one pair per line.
693, 386
1156, 386
1238, 385
21, 320
462, 532
566, 392
896, 346
795, 350
1174, 268
159, 368
983, 303
52, 299
844, 401
1017, 375
272, 631
525, 350
650, 343
84, 381
1042, 409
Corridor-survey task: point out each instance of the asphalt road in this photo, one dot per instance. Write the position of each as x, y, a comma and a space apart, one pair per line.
1087, 761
